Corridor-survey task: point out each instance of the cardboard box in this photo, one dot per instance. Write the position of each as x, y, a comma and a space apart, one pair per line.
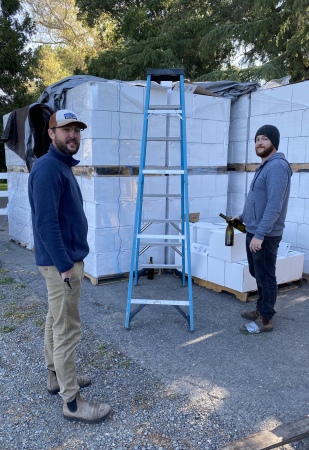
199, 261
203, 230
215, 270
218, 249
289, 268
284, 248
237, 276
193, 217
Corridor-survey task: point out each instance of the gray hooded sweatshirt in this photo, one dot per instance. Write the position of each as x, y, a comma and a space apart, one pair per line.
267, 201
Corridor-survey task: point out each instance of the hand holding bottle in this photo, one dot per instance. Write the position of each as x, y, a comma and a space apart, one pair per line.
235, 222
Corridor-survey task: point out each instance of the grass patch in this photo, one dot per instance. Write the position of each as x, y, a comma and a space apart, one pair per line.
6, 329
109, 358
6, 280
39, 322
19, 285
21, 312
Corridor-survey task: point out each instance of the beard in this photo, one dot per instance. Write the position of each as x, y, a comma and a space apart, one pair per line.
64, 146
264, 151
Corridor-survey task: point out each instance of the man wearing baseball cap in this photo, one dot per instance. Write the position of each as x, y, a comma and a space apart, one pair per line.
264, 215
60, 244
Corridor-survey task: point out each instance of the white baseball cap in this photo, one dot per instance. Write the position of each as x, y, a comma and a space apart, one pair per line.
65, 117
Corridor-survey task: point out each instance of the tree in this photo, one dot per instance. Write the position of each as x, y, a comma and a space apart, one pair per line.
16, 61
63, 43
150, 34
206, 38
272, 35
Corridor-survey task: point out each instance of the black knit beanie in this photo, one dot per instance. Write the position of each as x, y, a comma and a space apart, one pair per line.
271, 132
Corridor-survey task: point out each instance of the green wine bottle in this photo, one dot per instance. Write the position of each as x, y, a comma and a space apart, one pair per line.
240, 226
150, 273
229, 236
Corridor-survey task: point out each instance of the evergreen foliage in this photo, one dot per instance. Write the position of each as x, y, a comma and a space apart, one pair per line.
269, 38
16, 62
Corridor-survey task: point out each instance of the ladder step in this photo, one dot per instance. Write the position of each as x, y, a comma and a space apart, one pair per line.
161, 220
157, 107
166, 244
165, 111
161, 236
159, 266
145, 301
163, 195
167, 138
154, 170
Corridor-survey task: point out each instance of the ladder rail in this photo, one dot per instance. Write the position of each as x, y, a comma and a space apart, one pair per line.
185, 192
183, 237
137, 221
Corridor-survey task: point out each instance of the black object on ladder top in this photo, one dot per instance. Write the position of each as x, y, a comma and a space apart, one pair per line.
165, 74
160, 176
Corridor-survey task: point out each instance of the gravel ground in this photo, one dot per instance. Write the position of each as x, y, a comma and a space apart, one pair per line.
153, 407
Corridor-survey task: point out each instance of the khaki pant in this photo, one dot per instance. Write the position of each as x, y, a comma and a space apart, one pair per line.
62, 327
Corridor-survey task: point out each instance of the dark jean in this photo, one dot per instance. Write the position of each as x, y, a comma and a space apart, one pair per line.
262, 266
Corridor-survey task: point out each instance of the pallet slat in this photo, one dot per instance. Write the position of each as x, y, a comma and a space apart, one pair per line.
268, 439
244, 296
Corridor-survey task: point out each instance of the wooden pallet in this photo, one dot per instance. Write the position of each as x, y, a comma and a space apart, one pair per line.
244, 296
268, 439
108, 279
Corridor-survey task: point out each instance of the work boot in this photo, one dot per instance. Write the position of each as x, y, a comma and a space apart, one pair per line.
259, 326
251, 315
53, 386
86, 411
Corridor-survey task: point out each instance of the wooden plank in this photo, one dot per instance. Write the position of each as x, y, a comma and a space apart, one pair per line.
296, 167
113, 278
268, 439
244, 296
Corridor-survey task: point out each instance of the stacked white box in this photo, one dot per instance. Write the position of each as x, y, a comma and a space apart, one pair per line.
203, 231
199, 261
238, 133
228, 266
286, 107
113, 112
218, 249
238, 278
237, 189
289, 268
19, 212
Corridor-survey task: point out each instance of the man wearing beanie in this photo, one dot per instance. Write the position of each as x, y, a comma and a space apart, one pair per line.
264, 215
60, 244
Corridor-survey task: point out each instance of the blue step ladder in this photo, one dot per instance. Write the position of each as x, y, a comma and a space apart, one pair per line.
179, 242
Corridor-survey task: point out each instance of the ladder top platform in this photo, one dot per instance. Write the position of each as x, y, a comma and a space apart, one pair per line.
165, 74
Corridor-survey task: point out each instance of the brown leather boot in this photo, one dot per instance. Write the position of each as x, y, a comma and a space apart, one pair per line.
53, 386
251, 315
86, 411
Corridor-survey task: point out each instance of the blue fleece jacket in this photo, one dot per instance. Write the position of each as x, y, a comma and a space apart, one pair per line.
267, 201
58, 219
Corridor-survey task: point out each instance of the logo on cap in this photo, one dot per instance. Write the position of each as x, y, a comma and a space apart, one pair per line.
70, 116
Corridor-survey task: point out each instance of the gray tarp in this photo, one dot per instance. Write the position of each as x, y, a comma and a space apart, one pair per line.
229, 89
54, 95
26, 129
